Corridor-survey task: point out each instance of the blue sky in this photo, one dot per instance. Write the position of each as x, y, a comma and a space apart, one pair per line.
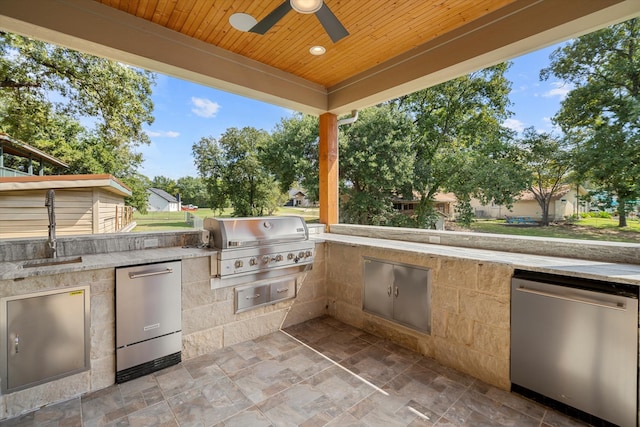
185, 112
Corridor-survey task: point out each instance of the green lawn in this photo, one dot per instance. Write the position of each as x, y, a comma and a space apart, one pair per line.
585, 229
166, 221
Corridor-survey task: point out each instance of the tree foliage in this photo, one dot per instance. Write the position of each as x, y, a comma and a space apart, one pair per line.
601, 113
547, 162
234, 174
291, 154
461, 144
376, 165
85, 110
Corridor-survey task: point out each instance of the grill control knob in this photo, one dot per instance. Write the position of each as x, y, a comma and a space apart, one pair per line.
266, 259
290, 256
301, 255
253, 261
238, 263
307, 254
279, 258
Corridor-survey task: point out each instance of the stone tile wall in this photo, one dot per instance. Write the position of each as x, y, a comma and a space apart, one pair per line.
470, 308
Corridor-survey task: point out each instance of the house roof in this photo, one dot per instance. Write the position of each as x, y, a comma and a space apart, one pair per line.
296, 191
104, 181
393, 47
168, 197
16, 147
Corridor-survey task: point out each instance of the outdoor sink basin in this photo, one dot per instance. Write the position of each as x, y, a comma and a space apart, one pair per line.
51, 261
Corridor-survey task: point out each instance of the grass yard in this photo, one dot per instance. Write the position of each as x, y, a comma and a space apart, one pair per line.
167, 221
585, 229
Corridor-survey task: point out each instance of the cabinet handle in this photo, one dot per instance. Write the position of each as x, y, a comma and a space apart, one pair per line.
389, 291
150, 273
396, 292
281, 290
17, 343
253, 296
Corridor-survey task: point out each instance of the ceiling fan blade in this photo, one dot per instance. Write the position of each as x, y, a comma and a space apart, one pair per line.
331, 24
271, 19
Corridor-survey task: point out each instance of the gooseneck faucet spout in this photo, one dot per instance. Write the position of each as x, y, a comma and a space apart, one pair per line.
49, 202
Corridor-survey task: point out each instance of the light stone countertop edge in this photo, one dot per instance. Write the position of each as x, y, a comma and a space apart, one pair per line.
613, 272
14, 270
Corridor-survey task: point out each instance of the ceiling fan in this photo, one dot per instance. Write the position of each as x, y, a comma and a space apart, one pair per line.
331, 24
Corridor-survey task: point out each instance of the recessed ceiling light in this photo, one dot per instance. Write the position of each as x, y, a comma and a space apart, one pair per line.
317, 50
242, 21
306, 6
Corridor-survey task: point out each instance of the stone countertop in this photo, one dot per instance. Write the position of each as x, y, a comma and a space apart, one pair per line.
614, 272
14, 270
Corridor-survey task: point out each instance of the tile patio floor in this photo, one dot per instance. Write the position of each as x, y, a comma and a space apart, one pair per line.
276, 380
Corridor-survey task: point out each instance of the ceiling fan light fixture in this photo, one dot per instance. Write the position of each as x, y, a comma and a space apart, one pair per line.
306, 6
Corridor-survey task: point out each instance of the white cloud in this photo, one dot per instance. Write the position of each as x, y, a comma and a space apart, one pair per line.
204, 107
163, 134
559, 89
514, 124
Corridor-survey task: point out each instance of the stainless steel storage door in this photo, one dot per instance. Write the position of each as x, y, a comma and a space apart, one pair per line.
378, 288
148, 302
412, 302
45, 337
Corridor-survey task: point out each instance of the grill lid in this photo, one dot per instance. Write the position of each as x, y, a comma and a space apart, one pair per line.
233, 233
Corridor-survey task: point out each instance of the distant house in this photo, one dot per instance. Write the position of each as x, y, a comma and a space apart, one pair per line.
161, 201
84, 204
563, 204
445, 204
298, 197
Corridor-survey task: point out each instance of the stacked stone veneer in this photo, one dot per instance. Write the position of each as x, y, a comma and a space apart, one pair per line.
208, 323
470, 308
208, 319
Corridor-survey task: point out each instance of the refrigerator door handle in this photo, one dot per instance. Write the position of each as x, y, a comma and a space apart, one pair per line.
604, 304
150, 273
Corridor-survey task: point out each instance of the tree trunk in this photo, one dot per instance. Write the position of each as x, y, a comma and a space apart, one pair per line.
622, 214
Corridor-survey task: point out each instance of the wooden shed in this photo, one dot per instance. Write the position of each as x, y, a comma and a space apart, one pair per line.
84, 204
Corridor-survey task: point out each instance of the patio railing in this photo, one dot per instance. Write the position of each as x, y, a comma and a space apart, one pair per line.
6, 172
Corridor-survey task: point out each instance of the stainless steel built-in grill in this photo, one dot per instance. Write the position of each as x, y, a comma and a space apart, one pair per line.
258, 251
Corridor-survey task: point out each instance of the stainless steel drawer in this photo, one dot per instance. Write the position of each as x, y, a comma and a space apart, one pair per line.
251, 296
282, 290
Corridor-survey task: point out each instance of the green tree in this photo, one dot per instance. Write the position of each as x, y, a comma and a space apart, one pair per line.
193, 191
376, 165
459, 138
234, 174
291, 154
548, 164
165, 183
601, 112
88, 111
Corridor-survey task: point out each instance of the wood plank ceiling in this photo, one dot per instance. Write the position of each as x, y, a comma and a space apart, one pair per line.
379, 30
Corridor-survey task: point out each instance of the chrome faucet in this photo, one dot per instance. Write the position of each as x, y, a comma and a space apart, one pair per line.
49, 202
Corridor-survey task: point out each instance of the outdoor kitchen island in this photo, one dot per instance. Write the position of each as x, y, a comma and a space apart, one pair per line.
470, 302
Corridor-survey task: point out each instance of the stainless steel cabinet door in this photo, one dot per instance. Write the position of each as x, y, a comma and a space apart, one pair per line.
412, 299
378, 288
46, 337
148, 301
